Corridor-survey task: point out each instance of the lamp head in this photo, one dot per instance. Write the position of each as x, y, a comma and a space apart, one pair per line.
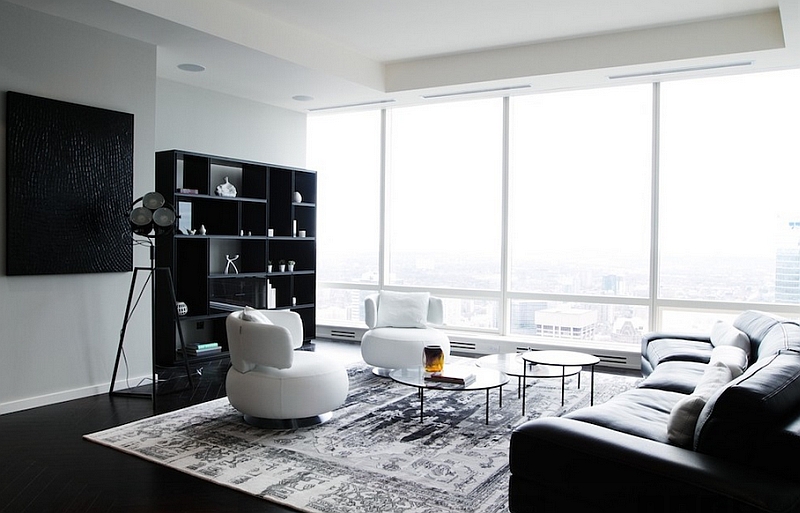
155, 217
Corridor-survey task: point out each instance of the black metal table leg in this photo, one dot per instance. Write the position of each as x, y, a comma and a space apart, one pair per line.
524, 384
421, 402
487, 406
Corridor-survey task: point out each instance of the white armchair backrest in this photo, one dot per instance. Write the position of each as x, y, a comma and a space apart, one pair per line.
372, 303
371, 310
435, 310
270, 345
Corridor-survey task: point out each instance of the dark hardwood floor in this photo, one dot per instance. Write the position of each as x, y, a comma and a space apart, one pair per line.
48, 466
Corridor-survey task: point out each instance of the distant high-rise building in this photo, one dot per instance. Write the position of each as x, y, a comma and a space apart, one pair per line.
612, 284
787, 264
523, 315
566, 322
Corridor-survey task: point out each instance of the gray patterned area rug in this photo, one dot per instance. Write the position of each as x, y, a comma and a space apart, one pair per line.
373, 456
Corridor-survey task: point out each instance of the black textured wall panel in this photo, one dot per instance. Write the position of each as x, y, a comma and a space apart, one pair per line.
69, 185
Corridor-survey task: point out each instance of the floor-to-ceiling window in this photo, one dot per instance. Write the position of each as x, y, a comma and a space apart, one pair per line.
444, 205
729, 219
345, 149
579, 245
586, 216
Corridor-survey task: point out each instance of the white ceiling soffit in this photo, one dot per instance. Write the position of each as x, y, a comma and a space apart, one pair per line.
392, 30
713, 38
418, 45
356, 52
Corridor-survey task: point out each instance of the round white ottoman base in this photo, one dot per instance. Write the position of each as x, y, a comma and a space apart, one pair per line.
288, 423
400, 348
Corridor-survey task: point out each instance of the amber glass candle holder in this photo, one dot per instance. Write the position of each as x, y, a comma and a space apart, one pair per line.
433, 358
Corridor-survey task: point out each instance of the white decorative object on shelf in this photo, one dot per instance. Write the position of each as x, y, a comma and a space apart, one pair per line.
298, 198
227, 189
202, 230
302, 233
270, 232
231, 264
290, 265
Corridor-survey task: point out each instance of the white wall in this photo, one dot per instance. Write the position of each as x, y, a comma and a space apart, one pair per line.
59, 333
194, 119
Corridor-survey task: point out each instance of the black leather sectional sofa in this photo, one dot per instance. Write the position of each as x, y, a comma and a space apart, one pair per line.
704, 431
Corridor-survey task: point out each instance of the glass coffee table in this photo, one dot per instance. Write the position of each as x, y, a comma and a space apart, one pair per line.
563, 359
512, 364
485, 379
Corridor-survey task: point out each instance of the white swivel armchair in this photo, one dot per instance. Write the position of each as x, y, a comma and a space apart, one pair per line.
400, 329
270, 382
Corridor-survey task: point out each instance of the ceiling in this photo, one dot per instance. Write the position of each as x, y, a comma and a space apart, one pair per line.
346, 53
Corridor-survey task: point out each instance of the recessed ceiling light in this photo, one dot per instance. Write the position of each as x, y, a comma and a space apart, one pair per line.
302, 98
194, 68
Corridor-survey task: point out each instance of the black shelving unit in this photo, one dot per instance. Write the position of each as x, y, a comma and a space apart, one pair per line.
261, 224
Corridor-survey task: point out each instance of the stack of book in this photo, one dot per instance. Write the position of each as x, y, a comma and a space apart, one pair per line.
203, 349
455, 375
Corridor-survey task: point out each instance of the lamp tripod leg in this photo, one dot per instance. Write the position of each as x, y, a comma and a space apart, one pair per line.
123, 330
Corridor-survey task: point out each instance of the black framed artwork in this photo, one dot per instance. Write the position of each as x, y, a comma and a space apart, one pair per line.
69, 184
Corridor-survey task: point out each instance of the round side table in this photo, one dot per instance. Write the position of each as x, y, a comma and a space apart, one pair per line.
563, 359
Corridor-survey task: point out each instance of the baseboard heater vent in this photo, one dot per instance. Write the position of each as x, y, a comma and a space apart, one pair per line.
605, 359
462, 346
343, 335
613, 360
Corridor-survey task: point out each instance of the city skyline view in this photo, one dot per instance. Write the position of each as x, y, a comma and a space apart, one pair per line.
577, 196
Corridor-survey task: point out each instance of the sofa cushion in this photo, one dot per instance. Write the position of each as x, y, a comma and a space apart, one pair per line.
676, 376
735, 421
756, 325
671, 349
725, 334
642, 412
783, 335
683, 417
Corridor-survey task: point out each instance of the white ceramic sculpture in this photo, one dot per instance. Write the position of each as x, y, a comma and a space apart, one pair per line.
231, 264
227, 189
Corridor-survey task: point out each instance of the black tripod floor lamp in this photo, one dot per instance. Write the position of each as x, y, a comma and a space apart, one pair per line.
153, 219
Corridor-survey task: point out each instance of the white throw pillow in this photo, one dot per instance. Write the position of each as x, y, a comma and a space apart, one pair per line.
402, 309
253, 315
725, 334
734, 357
683, 417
